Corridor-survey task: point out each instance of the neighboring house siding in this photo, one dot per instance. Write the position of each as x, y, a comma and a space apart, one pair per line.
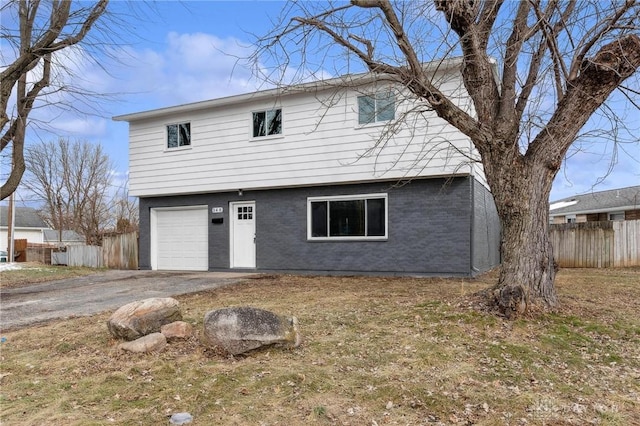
27, 225
632, 215
321, 143
31, 235
595, 217
430, 229
486, 230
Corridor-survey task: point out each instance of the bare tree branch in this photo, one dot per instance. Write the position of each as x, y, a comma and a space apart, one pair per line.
35, 48
72, 182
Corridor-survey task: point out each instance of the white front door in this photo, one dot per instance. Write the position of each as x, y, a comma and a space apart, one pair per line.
243, 234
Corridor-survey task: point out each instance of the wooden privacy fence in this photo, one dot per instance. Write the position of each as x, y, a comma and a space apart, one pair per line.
117, 252
596, 244
37, 252
120, 251
89, 256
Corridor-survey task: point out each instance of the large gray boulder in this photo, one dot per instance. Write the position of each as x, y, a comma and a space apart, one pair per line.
241, 329
143, 317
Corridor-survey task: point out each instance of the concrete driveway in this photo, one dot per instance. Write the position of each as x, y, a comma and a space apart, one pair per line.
108, 290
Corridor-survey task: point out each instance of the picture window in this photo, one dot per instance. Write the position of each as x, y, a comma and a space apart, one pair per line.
348, 217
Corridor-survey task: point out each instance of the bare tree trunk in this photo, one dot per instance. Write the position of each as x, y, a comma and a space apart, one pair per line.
528, 270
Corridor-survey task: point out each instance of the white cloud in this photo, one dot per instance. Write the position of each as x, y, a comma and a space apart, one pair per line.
593, 171
191, 67
85, 127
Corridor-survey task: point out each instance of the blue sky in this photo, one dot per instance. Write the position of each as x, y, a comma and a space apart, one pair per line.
186, 51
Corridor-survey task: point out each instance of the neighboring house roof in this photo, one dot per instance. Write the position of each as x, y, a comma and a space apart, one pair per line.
598, 202
25, 217
52, 236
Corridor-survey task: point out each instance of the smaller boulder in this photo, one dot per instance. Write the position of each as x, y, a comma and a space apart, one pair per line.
241, 329
154, 342
143, 317
177, 330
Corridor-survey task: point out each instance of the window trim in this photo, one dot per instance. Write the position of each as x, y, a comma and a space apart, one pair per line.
611, 215
179, 147
354, 197
266, 137
374, 95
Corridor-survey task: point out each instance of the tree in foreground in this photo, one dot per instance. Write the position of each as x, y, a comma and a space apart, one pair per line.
536, 72
72, 182
36, 31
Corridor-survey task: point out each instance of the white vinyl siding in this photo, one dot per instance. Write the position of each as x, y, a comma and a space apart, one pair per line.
321, 146
32, 235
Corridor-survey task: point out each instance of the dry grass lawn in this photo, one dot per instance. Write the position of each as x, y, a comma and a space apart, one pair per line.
376, 351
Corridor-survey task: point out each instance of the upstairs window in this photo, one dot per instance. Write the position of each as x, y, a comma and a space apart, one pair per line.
267, 123
376, 108
178, 135
348, 217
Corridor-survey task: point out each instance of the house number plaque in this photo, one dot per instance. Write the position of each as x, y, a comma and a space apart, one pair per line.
217, 209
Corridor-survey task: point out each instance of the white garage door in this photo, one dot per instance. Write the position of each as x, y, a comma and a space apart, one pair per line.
179, 240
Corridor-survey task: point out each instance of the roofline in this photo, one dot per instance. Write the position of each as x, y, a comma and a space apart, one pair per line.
633, 189
358, 79
26, 228
600, 210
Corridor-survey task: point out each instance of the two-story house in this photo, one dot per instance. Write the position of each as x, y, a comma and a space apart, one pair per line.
348, 175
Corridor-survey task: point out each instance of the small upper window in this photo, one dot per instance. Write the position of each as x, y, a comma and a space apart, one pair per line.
376, 108
267, 123
178, 135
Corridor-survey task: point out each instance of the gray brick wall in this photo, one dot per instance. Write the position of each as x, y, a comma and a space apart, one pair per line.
430, 229
486, 230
